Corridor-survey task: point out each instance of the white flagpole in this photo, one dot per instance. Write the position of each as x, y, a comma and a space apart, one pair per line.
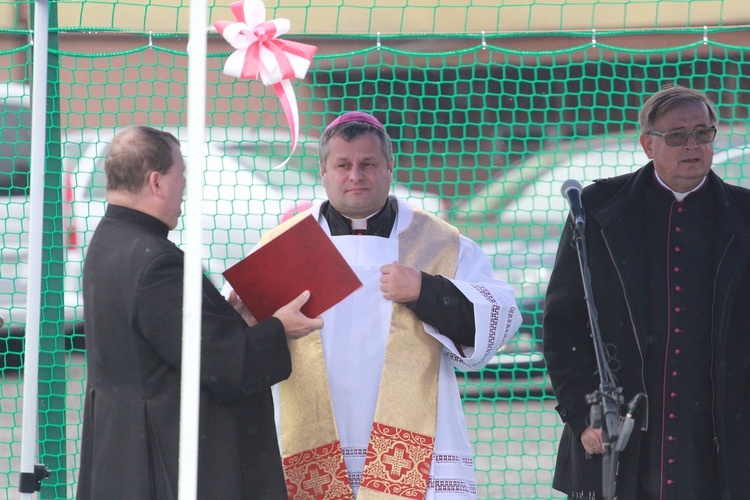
36, 223
191, 316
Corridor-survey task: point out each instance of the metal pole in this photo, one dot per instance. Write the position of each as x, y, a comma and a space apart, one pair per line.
36, 201
192, 302
53, 375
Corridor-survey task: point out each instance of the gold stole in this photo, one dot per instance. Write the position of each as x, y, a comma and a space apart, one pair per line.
399, 454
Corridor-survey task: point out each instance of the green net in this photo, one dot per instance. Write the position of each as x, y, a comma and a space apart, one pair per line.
490, 108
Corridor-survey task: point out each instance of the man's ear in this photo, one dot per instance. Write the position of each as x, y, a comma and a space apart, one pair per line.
153, 182
646, 145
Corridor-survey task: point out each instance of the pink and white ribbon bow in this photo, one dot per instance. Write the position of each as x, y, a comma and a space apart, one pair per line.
259, 52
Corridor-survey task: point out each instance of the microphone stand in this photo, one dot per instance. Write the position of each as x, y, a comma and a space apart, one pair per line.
607, 401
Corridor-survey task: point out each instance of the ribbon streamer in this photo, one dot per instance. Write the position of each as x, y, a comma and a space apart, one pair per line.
260, 53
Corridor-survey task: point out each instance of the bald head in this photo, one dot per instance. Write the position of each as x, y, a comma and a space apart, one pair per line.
145, 171
136, 152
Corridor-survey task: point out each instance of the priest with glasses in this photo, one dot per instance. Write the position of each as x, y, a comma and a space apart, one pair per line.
668, 250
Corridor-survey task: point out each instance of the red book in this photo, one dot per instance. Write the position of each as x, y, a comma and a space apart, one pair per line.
301, 258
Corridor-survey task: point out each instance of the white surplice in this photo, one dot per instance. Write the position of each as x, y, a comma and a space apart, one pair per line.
354, 340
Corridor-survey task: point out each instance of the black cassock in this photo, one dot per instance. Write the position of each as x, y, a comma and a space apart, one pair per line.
132, 285
671, 283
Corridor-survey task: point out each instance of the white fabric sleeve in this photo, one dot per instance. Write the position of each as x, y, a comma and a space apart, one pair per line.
496, 314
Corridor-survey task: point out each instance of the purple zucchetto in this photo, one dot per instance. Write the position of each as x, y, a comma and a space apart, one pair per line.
357, 116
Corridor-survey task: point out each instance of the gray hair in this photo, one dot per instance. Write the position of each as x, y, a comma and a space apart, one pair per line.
666, 100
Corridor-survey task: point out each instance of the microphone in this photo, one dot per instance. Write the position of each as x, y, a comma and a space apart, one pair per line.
571, 190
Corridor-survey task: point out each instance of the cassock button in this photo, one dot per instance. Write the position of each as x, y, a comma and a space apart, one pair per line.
669, 481
676, 309
677, 330
672, 416
673, 395
671, 438
676, 269
677, 352
675, 373
676, 249
678, 229
670, 461
678, 288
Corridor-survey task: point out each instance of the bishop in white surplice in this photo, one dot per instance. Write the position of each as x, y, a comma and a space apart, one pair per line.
386, 389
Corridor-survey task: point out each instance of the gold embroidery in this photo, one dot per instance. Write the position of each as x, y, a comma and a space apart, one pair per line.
400, 450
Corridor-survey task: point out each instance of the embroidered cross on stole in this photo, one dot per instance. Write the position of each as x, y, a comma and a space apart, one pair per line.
399, 453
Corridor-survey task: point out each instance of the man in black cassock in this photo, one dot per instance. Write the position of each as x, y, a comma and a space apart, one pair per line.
668, 249
132, 290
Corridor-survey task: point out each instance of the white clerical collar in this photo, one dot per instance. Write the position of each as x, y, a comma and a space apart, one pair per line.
361, 223
678, 196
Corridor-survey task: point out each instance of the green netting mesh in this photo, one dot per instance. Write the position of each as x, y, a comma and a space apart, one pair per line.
486, 128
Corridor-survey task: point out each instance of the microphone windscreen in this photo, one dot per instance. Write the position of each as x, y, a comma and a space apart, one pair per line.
570, 184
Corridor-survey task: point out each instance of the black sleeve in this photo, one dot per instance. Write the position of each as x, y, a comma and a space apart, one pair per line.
443, 306
235, 359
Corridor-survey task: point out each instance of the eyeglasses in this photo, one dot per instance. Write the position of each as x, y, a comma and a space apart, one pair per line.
701, 136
